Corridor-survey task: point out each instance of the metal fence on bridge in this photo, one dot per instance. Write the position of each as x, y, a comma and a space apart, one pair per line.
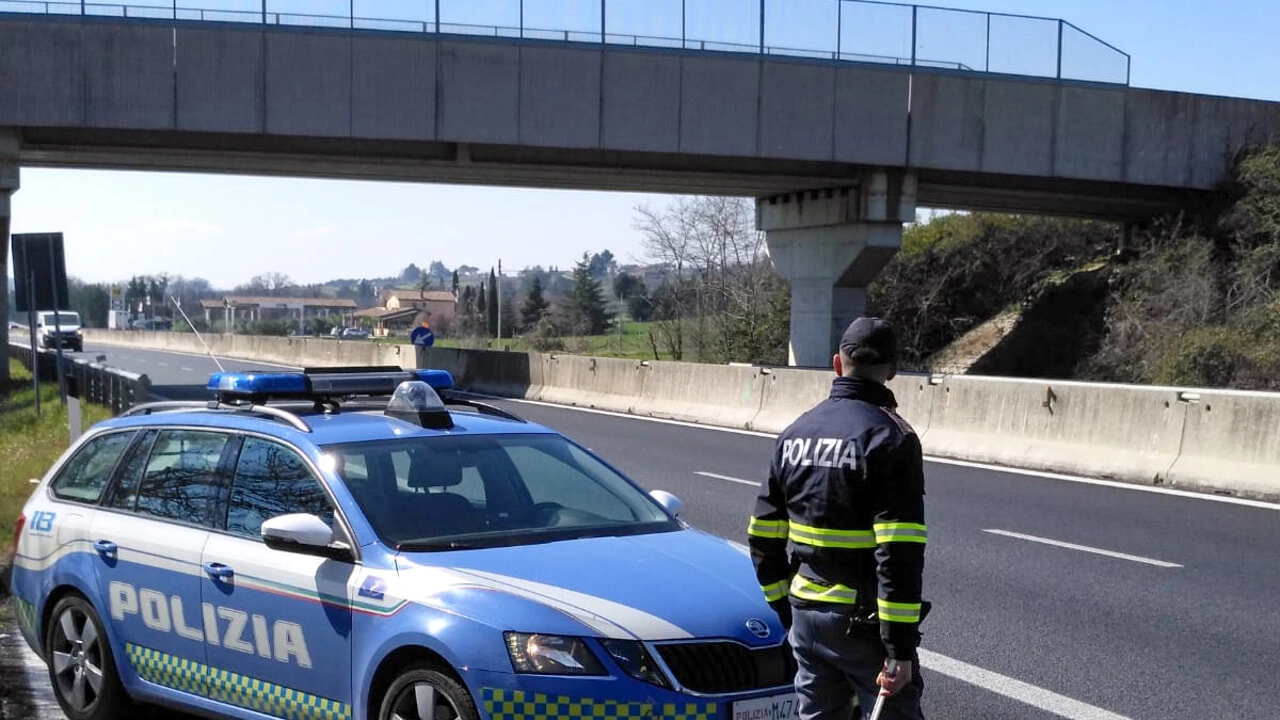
865, 31
93, 382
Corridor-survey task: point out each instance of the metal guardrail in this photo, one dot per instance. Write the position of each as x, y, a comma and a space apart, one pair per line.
93, 382
864, 31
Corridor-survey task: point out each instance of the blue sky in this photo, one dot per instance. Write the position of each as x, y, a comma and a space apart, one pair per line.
229, 228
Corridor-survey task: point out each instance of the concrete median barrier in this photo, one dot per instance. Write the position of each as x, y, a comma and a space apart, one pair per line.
516, 375
729, 396
612, 384
1118, 432
1231, 443
787, 394
1220, 441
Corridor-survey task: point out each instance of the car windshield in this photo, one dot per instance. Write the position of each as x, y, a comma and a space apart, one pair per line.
456, 492
64, 318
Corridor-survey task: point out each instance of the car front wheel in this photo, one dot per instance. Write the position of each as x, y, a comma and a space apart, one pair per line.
424, 693
81, 669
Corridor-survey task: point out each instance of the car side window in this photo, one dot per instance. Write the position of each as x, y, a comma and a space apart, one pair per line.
86, 475
181, 476
125, 496
272, 480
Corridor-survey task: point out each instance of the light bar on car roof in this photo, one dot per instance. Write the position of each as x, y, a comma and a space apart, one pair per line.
321, 383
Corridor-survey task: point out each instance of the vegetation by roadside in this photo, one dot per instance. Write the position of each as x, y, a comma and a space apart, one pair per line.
29, 444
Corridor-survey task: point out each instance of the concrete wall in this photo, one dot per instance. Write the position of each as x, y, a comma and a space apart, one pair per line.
1219, 441
790, 112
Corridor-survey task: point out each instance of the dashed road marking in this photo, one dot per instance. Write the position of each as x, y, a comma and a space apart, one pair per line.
1085, 548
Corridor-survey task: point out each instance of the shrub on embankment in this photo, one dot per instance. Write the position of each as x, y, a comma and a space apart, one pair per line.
1193, 300
29, 445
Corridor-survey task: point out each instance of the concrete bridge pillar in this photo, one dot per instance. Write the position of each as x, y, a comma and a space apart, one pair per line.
8, 186
830, 244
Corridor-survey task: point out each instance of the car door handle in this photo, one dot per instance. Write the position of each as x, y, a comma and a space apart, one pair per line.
105, 548
218, 571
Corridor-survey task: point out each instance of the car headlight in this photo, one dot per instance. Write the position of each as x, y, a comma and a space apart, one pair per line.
79, 333
551, 655
635, 661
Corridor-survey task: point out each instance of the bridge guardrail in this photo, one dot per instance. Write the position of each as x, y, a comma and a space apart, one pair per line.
93, 382
866, 31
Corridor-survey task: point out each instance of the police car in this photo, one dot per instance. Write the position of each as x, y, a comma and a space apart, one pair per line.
302, 547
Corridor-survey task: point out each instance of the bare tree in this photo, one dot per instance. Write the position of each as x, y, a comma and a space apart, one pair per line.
723, 288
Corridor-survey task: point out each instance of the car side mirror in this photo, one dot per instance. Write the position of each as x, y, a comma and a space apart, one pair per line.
668, 501
304, 534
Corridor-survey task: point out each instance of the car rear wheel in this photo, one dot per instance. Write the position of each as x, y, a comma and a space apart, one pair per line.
81, 668
424, 693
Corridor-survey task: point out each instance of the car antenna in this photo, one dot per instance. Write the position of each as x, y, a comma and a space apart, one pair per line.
178, 304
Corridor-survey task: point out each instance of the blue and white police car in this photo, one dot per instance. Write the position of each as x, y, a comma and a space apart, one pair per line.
302, 547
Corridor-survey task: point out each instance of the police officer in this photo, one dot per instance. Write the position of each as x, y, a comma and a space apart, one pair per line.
846, 488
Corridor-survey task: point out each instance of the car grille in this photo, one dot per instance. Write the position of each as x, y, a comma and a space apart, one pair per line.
726, 667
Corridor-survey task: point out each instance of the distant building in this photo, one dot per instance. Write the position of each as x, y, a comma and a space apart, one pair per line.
400, 309
234, 308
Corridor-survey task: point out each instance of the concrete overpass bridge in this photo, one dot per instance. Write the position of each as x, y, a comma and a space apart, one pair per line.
839, 142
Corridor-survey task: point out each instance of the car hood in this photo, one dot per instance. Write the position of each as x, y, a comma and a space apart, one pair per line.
658, 586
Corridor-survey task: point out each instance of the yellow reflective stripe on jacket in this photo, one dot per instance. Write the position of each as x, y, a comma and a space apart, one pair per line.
901, 532
821, 537
806, 589
898, 612
767, 528
774, 591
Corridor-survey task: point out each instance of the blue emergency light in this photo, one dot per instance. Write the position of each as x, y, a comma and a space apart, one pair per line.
321, 383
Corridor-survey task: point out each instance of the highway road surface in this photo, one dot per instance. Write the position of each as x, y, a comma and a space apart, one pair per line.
1053, 597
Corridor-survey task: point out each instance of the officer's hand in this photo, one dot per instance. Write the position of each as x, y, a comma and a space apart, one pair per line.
892, 684
783, 609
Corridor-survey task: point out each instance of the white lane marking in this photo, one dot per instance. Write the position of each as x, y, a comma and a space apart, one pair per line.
1115, 484
740, 481
129, 359
1247, 502
187, 369
1026, 693
1084, 548
163, 364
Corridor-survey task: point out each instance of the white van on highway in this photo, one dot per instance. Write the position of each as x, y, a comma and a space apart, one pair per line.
60, 328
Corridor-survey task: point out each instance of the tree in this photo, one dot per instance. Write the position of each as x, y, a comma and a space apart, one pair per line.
438, 273
454, 283
482, 303
720, 282
411, 274
424, 283
508, 315
492, 304
91, 301
535, 305
269, 284
586, 307
465, 270
601, 264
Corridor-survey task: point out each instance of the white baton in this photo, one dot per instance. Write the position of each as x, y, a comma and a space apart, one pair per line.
891, 669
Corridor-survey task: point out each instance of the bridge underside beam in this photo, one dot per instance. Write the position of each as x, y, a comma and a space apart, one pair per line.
561, 168
830, 244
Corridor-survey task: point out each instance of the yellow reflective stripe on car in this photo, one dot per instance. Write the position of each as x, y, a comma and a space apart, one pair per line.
898, 612
821, 537
806, 589
775, 591
901, 532
767, 528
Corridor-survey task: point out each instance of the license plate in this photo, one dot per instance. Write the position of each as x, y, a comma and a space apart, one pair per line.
773, 707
